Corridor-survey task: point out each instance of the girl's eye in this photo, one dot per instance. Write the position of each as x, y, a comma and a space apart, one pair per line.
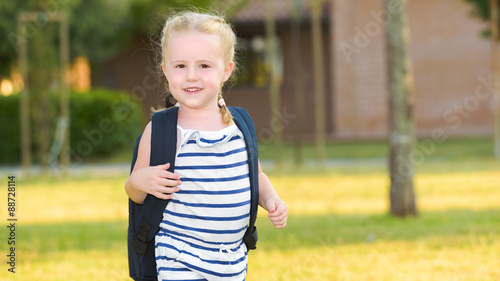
180, 66
204, 66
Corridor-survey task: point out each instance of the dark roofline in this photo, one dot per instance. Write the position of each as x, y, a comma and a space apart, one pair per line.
255, 11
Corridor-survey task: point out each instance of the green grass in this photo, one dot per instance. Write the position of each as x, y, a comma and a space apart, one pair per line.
451, 149
338, 228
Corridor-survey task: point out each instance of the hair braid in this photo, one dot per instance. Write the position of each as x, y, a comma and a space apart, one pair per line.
227, 117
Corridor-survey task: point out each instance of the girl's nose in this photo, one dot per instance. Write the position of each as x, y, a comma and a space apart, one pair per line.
191, 74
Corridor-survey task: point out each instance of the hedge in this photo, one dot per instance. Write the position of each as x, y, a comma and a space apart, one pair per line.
9, 124
102, 122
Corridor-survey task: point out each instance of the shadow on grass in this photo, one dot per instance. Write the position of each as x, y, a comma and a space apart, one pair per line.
336, 230
301, 232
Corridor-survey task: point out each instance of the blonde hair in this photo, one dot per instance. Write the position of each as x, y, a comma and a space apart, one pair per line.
205, 23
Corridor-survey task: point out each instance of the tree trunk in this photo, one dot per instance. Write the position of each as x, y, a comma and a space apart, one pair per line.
64, 60
24, 107
402, 136
298, 80
277, 125
495, 70
41, 75
319, 81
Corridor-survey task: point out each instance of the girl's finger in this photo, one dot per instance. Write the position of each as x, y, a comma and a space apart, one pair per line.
163, 196
169, 175
170, 182
280, 224
163, 166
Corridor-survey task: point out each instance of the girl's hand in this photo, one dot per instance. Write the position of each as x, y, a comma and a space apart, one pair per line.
278, 212
156, 180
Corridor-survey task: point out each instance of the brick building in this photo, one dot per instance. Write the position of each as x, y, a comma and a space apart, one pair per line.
451, 65
450, 62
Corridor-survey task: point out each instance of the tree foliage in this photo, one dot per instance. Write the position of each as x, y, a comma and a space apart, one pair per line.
98, 28
482, 10
148, 15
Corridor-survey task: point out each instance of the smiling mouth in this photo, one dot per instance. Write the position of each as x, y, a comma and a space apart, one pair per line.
192, 90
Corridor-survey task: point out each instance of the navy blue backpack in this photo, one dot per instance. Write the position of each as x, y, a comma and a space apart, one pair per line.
144, 220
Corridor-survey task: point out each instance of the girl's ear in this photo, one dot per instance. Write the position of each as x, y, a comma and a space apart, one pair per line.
163, 68
228, 71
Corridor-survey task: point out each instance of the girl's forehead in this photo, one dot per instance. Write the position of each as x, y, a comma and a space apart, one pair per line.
187, 39
193, 45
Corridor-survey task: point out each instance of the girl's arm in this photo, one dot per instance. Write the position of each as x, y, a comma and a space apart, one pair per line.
146, 180
269, 200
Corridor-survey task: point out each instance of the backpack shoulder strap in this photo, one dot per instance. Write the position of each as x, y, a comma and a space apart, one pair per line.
247, 127
164, 137
163, 146
134, 155
144, 220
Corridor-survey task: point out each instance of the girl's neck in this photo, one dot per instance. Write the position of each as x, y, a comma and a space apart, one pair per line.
196, 119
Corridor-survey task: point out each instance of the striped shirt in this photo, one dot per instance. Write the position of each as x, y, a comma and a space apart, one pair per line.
203, 225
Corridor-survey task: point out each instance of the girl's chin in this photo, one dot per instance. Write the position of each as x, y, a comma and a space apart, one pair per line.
197, 105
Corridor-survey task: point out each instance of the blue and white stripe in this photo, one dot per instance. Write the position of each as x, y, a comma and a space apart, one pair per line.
204, 223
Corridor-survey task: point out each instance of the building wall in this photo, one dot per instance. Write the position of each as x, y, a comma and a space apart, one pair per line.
360, 91
450, 61
257, 100
450, 58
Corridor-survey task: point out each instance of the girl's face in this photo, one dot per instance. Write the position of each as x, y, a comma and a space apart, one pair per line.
195, 68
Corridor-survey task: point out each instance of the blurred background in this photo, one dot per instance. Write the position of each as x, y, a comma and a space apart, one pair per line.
117, 57
347, 116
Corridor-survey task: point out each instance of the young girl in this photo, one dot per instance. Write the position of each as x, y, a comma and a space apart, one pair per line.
200, 237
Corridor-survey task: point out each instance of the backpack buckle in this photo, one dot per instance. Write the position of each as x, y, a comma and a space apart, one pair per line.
140, 240
251, 238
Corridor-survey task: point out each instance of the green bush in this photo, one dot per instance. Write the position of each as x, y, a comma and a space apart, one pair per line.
9, 124
102, 122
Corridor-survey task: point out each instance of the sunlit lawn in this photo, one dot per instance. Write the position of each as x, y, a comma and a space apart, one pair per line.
338, 227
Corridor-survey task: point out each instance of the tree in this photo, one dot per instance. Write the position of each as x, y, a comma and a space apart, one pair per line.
99, 29
489, 10
319, 81
482, 9
298, 79
40, 79
94, 36
148, 15
495, 69
402, 135
274, 91
94, 33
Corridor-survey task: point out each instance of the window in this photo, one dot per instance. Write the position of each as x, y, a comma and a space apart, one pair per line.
254, 70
